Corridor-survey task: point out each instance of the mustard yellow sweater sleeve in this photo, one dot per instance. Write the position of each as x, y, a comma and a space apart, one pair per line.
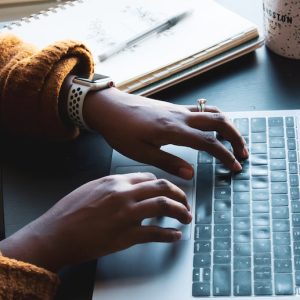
30, 82
22, 281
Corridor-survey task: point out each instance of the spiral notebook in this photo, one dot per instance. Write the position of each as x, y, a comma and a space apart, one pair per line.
210, 36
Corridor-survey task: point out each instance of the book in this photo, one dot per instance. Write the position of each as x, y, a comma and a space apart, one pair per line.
210, 30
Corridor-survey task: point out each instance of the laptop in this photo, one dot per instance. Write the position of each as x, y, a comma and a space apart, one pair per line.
244, 240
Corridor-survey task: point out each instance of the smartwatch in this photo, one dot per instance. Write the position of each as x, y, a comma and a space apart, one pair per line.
79, 88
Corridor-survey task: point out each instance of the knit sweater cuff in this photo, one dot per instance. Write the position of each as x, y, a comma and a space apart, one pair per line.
31, 83
21, 280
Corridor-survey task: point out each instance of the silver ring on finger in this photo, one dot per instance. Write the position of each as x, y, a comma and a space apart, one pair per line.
201, 104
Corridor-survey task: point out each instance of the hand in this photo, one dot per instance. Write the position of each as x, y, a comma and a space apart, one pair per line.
137, 127
100, 217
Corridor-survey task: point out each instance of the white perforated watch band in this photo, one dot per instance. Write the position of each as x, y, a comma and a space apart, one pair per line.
76, 98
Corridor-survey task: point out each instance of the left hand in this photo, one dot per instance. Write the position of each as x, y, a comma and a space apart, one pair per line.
138, 127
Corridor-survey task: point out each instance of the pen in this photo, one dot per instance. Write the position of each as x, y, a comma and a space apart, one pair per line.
154, 30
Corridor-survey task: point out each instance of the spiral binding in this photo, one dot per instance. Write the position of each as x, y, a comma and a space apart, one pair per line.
42, 13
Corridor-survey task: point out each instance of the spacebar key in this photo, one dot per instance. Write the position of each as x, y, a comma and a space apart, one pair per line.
221, 280
204, 193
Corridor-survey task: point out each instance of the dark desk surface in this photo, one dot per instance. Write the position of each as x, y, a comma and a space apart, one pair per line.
44, 173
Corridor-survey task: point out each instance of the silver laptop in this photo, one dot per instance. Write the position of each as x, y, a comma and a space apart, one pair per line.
244, 240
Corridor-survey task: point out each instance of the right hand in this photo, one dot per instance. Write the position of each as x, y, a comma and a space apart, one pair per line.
100, 217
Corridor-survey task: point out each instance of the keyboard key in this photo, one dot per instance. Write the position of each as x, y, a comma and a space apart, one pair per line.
241, 186
222, 181
241, 223
260, 182
242, 283
294, 180
263, 288
295, 206
202, 232
222, 217
260, 195
259, 170
261, 219
258, 148
283, 284
296, 248
277, 164
292, 156
202, 260
260, 246
204, 158
258, 125
280, 212
241, 197
261, 232
297, 278
242, 125
291, 143
241, 210
242, 263
275, 121
222, 205
289, 121
222, 231
281, 238
296, 234
259, 137
279, 188
259, 159
276, 131
241, 236
222, 170
296, 220
276, 142
196, 274
281, 225
205, 274
294, 193
280, 200
282, 252
277, 153
262, 259
290, 132
243, 175
241, 249
297, 262
223, 193
293, 168
222, 257
283, 266
260, 206
221, 280
262, 273
202, 247
222, 244
201, 289
277, 176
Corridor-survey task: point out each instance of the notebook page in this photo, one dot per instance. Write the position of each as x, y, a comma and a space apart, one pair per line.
101, 25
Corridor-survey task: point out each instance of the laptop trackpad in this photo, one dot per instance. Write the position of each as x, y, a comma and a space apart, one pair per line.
185, 185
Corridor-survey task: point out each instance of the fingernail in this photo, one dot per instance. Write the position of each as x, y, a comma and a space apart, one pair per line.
245, 152
177, 235
190, 218
237, 166
186, 173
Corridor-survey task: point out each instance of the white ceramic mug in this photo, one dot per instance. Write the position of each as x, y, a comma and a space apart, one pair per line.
282, 26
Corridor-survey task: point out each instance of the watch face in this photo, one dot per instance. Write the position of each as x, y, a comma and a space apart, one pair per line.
98, 77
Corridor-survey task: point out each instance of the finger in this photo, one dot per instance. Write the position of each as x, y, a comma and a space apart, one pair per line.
159, 187
218, 122
138, 177
161, 207
205, 141
208, 108
165, 161
148, 234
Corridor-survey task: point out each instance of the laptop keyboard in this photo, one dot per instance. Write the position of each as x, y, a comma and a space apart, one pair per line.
247, 240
